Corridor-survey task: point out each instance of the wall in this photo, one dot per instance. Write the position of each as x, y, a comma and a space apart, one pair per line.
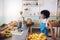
12, 9
50, 5
1, 12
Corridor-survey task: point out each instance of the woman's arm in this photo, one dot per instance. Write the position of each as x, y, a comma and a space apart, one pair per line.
51, 30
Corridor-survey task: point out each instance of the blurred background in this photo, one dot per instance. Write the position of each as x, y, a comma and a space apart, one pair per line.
10, 11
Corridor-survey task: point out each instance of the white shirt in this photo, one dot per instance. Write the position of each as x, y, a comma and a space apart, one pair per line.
21, 18
44, 21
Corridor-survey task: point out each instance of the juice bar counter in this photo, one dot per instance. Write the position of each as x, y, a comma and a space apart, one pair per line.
17, 35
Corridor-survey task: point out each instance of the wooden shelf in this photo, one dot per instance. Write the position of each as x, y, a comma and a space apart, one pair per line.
31, 4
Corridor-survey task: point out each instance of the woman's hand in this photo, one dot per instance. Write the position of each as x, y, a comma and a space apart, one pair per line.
51, 30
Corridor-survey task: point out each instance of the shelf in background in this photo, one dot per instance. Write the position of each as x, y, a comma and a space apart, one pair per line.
30, 0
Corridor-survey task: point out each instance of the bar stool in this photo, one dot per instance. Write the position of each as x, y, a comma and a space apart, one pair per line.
59, 32
55, 31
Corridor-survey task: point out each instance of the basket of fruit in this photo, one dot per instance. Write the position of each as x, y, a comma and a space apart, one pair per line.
37, 36
29, 22
5, 34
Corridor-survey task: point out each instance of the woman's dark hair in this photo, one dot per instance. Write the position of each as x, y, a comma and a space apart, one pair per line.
46, 13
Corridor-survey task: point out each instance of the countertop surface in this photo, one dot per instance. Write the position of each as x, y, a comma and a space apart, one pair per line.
19, 39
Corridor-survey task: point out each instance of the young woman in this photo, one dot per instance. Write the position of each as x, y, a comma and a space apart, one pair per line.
45, 24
